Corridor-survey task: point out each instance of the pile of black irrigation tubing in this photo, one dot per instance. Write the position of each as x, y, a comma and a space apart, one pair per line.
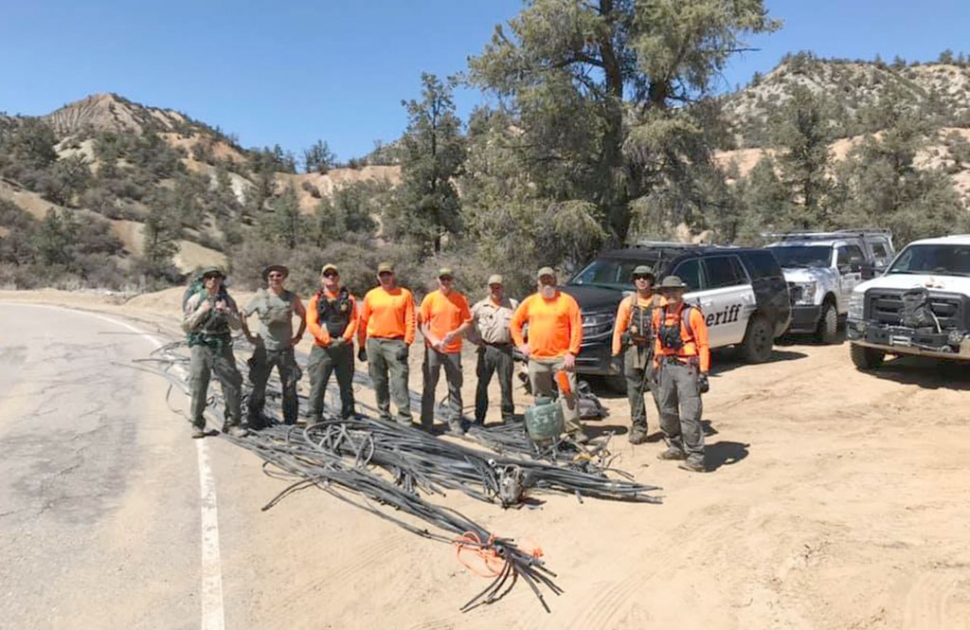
369, 463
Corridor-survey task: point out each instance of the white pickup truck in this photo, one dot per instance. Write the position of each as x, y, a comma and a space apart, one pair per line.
920, 306
823, 268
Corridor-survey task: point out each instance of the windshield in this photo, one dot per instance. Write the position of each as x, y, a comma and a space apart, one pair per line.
611, 273
951, 260
803, 255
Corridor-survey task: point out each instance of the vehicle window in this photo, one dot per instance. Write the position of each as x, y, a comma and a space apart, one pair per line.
609, 272
724, 271
944, 259
880, 251
691, 273
803, 255
850, 254
762, 263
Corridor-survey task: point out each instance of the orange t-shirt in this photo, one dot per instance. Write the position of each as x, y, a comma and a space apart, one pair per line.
443, 314
387, 315
696, 346
555, 326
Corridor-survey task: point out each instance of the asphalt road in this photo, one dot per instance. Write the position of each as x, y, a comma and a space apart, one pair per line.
100, 522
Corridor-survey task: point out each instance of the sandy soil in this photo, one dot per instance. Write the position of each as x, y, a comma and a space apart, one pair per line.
838, 500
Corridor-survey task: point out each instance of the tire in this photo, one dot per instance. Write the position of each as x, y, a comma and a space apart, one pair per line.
828, 324
757, 344
864, 358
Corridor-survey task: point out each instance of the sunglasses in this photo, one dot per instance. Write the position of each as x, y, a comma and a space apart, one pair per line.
642, 278
331, 274
275, 275
385, 274
445, 278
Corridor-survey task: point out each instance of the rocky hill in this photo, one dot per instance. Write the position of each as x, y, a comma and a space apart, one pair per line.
852, 86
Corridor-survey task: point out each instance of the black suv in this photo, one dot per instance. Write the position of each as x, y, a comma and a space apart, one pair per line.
742, 293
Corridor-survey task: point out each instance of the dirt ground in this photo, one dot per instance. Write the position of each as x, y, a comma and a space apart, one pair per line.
837, 499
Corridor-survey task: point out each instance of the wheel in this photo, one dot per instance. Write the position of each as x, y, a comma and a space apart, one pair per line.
756, 347
866, 358
828, 324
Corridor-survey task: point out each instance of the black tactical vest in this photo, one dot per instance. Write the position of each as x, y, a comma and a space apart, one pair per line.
335, 313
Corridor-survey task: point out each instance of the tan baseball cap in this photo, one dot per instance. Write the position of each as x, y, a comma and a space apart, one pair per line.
495, 279
385, 266
446, 271
329, 267
546, 271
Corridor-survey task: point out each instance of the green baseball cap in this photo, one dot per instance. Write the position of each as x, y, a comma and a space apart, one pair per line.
446, 271
385, 267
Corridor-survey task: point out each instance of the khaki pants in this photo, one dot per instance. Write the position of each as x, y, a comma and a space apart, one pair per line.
261, 366
494, 360
433, 362
323, 363
681, 409
218, 359
390, 377
542, 373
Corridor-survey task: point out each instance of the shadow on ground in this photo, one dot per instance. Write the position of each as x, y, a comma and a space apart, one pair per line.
926, 373
725, 453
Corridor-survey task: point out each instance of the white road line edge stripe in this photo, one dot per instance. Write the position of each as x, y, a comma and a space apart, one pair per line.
213, 611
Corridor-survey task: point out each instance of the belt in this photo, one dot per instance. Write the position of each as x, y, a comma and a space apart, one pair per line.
680, 360
505, 344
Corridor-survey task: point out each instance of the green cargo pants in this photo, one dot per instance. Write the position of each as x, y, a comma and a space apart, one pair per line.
494, 360
383, 362
324, 362
542, 374
638, 371
681, 409
261, 366
431, 369
217, 359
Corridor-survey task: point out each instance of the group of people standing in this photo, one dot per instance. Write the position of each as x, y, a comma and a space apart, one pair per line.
663, 342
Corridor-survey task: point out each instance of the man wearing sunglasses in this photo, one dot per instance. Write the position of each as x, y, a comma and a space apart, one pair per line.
385, 333
209, 317
633, 333
332, 320
274, 343
444, 316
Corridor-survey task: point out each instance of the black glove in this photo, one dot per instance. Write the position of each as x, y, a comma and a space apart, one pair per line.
403, 353
703, 384
626, 338
362, 354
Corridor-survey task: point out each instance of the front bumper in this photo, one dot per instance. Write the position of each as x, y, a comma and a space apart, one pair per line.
902, 340
804, 318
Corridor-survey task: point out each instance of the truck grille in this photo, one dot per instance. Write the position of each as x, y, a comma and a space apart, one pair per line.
885, 306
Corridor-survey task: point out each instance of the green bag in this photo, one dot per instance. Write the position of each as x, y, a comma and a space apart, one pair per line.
544, 420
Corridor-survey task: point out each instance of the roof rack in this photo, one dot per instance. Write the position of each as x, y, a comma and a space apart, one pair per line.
808, 234
674, 245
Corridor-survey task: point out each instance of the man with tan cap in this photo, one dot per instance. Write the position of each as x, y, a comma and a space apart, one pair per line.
444, 316
385, 333
273, 344
490, 331
555, 335
332, 320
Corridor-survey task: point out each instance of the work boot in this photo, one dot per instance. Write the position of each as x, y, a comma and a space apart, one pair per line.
672, 453
693, 465
197, 432
638, 434
237, 431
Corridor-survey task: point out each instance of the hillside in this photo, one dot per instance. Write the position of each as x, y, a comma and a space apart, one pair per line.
852, 86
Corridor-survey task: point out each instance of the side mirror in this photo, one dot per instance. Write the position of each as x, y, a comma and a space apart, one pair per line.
845, 268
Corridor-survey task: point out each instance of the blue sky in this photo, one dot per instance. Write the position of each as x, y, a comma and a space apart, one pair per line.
293, 72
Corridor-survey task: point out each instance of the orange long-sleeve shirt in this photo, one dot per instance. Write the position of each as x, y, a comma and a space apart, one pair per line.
320, 333
555, 326
693, 346
443, 314
623, 317
387, 315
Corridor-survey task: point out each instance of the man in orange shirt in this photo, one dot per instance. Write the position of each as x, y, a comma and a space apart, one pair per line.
683, 355
555, 334
633, 333
444, 316
385, 333
332, 320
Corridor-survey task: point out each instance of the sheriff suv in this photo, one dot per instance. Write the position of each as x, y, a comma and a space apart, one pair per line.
742, 293
920, 306
822, 269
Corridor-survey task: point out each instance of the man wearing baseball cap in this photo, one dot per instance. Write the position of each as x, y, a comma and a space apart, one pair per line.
332, 320
273, 344
443, 317
490, 331
385, 333
209, 316
555, 334
683, 355
633, 333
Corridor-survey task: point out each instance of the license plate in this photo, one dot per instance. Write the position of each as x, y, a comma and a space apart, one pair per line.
900, 340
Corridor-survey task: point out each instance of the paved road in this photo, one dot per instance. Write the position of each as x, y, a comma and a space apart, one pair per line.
99, 483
